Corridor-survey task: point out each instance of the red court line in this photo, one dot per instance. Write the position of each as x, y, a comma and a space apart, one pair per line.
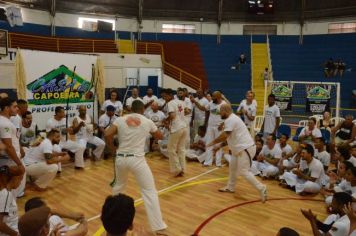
207, 221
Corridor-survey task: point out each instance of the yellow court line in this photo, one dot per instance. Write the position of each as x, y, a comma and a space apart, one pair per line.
101, 230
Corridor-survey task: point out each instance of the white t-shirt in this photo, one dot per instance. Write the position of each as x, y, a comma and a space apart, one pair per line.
28, 135
188, 105
130, 100
199, 115
271, 114
341, 226
177, 106
274, 153
251, 110
352, 160
8, 130
105, 120
315, 132
147, 99
323, 156
116, 104
156, 117
55, 124
133, 129
287, 149
214, 117
239, 139
86, 131
16, 120
314, 169
37, 154
9, 208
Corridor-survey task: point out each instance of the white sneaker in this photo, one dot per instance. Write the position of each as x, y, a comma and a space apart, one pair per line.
263, 193
226, 190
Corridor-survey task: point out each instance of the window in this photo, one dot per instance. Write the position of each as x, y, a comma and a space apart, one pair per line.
339, 28
175, 28
91, 24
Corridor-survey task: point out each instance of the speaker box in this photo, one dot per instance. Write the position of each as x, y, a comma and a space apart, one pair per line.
104, 26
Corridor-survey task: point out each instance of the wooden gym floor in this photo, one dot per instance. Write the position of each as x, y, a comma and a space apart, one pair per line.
189, 204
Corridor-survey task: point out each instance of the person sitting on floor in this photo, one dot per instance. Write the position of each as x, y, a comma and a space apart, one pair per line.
197, 148
321, 154
309, 176
310, 132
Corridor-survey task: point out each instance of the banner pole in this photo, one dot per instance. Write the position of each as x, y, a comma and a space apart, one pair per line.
67, 107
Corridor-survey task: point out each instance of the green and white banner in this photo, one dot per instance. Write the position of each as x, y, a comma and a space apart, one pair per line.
284, 94
51, 81
318, 98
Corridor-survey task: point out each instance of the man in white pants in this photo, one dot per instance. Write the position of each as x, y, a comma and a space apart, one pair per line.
41, 161
132, 131
83, 128
199, 111
243, 149
309, 176
59, 122
187, 113
213, 131
178, 134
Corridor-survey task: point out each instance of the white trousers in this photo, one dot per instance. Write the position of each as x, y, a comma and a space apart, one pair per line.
77, 149
211, 134
98, 142
240, 165
42, 173
176, 150
196, 125
20, 190
265, 169
193, 154
139, 168
300, 185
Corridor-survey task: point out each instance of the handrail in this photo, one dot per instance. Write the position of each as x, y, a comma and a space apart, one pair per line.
251, 56
269, 59
181, 72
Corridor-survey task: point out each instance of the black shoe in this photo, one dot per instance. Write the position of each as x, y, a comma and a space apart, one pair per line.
78, 168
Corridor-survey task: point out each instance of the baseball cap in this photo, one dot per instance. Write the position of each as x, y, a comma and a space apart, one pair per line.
33, 221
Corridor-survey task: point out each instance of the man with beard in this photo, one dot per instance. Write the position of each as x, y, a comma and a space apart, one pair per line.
41, 161
242, 148
28, 130
199, 113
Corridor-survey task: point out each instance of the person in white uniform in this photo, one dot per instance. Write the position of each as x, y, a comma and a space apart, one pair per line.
157, 117
28, 129
187, 113
199, 113
214, 121
58, 121
272, 117
248, 109
309, 133
22, 109
269, 158
134, 97
320, 153
132, 131
41, 161
177, 126
242, 148
10, 138
197, 148
336, 224
310, 174
113, 101
83, 128
105, 120
148, 99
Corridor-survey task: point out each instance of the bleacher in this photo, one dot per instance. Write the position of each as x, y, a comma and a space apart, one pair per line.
218, 60
294, 62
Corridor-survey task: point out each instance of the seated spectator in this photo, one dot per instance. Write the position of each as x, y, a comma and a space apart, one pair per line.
344, 132
197, 148
339, 67
291, 160
287, 232
117, 216
347, 185
8, 206
336, 224
242, 59
352, 216
106, 119
41, 161
284, 146
310, 133
329, 68
267, 161
321, 154
343, 153
326, 122
309, 176
56, 216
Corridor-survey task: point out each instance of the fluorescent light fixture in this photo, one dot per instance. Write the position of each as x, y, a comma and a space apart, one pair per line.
82, 19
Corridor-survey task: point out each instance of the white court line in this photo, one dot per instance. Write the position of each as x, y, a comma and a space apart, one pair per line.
160, 191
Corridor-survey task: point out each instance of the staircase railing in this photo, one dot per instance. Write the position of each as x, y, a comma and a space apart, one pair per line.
269, 59
169, 69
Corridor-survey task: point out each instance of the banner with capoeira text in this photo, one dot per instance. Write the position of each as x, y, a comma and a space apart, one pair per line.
51, 82
283, 93
318, 98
